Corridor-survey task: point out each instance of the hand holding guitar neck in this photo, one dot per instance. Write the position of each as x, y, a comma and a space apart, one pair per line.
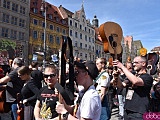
114, 81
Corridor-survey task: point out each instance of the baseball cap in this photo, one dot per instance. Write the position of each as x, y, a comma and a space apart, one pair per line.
90, 67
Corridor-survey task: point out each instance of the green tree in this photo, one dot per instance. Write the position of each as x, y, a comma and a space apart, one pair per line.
5, 44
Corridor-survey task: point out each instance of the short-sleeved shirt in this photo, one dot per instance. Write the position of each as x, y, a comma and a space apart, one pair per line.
14, 86
140, 99
90, 105
103, 81
48, 96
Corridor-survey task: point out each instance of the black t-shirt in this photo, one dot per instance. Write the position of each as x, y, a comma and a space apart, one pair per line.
14, 86
140, 99
49, 96
38, 77
30, 92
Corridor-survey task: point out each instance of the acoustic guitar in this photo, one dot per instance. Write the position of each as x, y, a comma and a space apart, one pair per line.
20, 110
4, 107
153, 59
103, 37
111, 34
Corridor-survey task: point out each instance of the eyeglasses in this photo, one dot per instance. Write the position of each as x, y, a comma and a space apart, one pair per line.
51, 75
137, 62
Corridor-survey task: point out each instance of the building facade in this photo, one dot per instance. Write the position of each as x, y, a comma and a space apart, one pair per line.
47, 28
81, 32
14, 27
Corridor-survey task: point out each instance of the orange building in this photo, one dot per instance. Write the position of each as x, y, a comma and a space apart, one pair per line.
56, 26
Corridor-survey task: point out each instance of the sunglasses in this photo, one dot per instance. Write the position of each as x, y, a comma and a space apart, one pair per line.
137, 62
51, 75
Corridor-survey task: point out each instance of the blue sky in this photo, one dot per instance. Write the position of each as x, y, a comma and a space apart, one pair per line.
138, 18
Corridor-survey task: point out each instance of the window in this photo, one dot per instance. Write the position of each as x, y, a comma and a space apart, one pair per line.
22, 10
21, 36
76, 44
57, 19
43, 24
6, 4
64, 31
86, 37
4, 32
14, 20
86, 56
51, 27
15, 7
70, 22
86, 46
81, 27
81, 45
50, 16
51, 38
5, 18
42, 36
21, 22
80, 35
35, 34
13, 34
35, 10
92, 40
89, 39
76, 35
35, 3
58, 29
76, 25
43, 13
35, 22
70, 32
57, 40
64, 22
92, 32
85, 29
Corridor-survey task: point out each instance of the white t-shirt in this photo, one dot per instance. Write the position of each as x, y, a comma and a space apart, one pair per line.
90, 105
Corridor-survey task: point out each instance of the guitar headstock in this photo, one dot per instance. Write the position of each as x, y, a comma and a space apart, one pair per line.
152, 60
143, 51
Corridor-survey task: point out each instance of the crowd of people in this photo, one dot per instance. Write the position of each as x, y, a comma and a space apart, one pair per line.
98, 89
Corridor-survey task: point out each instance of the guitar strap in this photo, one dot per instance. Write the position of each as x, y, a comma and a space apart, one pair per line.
64, 94
67, 94
99, 76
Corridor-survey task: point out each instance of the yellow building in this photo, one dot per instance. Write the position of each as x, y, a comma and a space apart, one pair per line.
55, 27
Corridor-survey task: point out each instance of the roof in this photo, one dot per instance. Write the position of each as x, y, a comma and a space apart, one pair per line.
65, 12
51, 10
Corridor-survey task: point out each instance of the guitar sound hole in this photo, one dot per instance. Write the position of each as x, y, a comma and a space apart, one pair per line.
114, 44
